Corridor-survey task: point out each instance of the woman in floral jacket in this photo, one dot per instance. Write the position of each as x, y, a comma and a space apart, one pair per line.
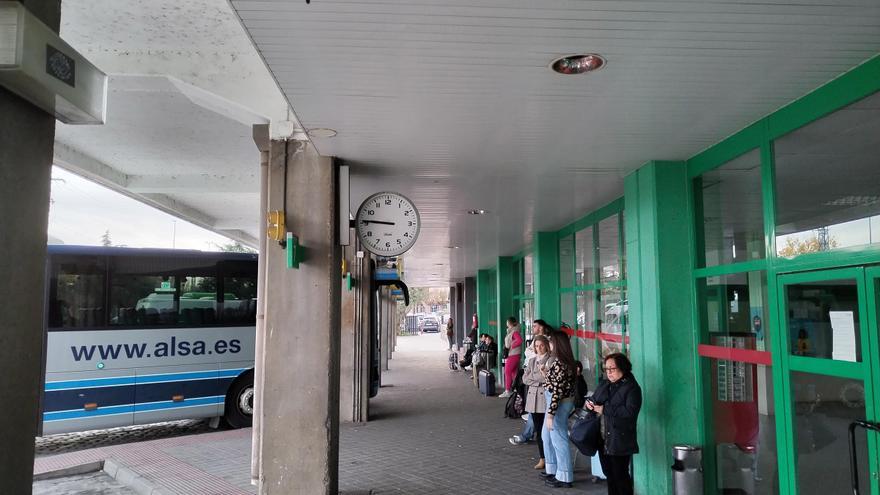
559, 395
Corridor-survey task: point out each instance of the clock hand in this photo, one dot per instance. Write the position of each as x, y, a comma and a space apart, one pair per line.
378, 221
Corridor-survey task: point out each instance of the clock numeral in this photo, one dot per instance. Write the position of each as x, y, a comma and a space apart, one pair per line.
387, 201
409, 224
406, 213
369, 233
399, 242
371, 212
406, 234
387, 244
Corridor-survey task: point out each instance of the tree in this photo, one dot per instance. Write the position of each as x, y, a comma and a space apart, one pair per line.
234, 247
796, 247
105, 239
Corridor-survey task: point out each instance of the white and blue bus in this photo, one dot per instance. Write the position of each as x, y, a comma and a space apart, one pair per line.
139, 336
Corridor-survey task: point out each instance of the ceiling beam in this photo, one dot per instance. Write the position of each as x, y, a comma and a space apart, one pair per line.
193, 183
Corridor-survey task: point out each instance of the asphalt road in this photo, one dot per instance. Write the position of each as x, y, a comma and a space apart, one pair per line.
71, 442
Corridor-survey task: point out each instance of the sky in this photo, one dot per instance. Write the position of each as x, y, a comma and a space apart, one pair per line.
81, 211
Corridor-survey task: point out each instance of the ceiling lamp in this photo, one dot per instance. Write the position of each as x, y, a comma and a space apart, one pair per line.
477, 212
578, 64
322, 132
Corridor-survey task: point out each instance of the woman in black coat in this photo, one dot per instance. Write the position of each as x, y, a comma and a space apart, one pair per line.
618, 401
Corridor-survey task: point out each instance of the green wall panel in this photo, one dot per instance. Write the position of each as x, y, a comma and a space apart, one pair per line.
506, 307
546, 267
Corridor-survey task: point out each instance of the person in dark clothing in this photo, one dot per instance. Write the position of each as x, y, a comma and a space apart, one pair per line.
617, 400
580, 387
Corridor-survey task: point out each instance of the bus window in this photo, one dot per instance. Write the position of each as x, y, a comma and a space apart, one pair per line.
142, 300
76, 297
198, 301
240, 300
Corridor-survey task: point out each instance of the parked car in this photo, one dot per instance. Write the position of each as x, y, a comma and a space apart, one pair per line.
430, 324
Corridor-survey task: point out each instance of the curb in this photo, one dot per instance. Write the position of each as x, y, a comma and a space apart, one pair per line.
89, 467
124, 475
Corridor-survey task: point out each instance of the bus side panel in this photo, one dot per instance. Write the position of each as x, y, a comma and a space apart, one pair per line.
159, 365
167, 393
87, 400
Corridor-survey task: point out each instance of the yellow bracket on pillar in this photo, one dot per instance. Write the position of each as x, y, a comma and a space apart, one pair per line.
275, 230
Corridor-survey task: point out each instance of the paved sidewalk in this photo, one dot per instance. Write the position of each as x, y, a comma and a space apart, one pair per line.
430, 433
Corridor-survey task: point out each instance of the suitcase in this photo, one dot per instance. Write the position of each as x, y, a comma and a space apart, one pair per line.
453, 361
487, 383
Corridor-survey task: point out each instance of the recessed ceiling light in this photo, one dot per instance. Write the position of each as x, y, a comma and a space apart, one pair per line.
322, 132
453, 247
477, 212
578, 64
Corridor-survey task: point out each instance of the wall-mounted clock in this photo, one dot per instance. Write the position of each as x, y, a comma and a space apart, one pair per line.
387, 224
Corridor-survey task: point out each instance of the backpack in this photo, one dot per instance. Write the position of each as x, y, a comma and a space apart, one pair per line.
515, 406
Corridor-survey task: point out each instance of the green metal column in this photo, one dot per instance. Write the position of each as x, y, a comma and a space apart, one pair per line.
546, 268
506, 306
484, 291
661, 300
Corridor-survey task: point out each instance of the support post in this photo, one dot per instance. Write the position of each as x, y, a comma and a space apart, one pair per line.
504, 277
546, 258
26, 145
661, 302
261, 139
300, 413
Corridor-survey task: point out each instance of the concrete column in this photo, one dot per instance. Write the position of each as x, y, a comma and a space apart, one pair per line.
26, 145
385, 346
300, 410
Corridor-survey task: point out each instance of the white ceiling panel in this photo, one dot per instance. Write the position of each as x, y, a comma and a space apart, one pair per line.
452, 103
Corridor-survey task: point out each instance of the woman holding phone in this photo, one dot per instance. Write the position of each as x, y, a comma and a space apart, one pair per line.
617, 401
559, 371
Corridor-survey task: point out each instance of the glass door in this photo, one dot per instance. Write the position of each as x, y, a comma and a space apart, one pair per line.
826, 338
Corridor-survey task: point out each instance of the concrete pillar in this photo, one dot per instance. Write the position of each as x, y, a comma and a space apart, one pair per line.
462, 322
355, 365
385, 342
300, 409
26, 145
661, 307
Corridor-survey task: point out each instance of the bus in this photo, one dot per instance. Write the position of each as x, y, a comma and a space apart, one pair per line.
136, 336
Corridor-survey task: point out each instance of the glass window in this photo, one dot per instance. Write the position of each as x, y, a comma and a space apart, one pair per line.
143, 300
623, 244
609, 250
732, 211
823, 319
824, 406
198, 301
614, 310
566, 261
240, 300
585, 268
77, 293
587, 356
528, 275
828, 182
586, 307
744, 428
734, 310
567, 308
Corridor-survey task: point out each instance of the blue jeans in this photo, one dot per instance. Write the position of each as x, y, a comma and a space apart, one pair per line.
557, 452
528, 430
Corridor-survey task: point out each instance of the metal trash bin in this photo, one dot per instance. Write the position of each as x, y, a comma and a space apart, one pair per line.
687, 470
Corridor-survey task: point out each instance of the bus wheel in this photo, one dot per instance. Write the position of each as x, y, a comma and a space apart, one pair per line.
240, 402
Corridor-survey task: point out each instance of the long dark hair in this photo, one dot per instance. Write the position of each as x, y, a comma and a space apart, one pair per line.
562, 348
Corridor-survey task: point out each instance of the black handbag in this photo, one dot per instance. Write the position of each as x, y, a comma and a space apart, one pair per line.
586, 434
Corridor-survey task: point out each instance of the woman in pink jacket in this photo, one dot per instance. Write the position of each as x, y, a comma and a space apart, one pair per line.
513, 343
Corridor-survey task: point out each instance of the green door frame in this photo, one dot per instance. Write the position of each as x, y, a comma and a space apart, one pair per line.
866, 370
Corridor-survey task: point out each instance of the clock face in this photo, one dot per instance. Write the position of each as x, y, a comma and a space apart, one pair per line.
387, 224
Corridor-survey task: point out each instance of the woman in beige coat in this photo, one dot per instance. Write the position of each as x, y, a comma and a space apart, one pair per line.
535, 401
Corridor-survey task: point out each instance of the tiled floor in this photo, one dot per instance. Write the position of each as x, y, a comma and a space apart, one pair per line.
430, 433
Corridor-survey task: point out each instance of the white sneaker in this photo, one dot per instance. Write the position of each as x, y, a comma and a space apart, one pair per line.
505, 395
525, 417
